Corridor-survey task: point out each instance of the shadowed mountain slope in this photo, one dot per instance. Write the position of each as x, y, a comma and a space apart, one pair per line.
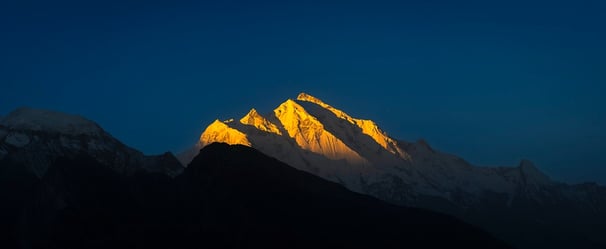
228, 197
248, 198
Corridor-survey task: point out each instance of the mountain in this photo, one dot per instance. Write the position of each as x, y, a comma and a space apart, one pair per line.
228, 197
315, 137
272, 204
32, 190
35, 138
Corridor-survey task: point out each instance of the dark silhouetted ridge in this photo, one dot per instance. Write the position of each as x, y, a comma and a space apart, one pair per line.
228, 197
247, 199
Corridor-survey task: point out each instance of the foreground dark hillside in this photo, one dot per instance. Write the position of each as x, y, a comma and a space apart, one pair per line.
228, 197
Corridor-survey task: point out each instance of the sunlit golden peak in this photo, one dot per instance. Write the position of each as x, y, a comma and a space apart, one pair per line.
250, 116
253, 112
309, 133
309, 98
215, 125
216, 122
288, 106
293, 110
290, 102
368, 127
220, 132
253, 118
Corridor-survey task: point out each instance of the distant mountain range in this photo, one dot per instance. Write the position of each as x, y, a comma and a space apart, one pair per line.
71, 185
35, 138
66, 183
519, 204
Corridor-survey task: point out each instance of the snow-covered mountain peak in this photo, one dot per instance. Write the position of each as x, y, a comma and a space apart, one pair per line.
368, 127
288, 106
35, 138
221, 132
310, 125
253, 113
313, 136
306, 97
311, 99
253, 118
309, 133
29, 119
291, 114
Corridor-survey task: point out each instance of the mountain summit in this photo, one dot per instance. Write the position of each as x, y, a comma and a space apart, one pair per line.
312, 135
25, 118
35, 138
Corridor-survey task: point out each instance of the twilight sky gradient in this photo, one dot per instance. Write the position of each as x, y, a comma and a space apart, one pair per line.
492, 81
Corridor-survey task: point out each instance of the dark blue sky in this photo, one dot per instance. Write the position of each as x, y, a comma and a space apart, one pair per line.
492, 81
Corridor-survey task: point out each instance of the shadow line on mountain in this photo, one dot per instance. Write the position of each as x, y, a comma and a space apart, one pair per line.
331, 169
340, 127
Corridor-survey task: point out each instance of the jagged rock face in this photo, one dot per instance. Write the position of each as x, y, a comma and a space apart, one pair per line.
35, 138
316, 137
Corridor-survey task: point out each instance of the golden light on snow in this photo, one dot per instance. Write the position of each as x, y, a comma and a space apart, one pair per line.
255, 119
368, 127
220, 132
292, 122
309, 133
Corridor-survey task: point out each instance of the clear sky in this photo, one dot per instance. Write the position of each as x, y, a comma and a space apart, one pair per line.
492, 81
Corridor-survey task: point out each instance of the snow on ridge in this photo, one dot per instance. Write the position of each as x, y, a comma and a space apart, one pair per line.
313, 136
367, 126
221, 132
253, 118
25, 118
